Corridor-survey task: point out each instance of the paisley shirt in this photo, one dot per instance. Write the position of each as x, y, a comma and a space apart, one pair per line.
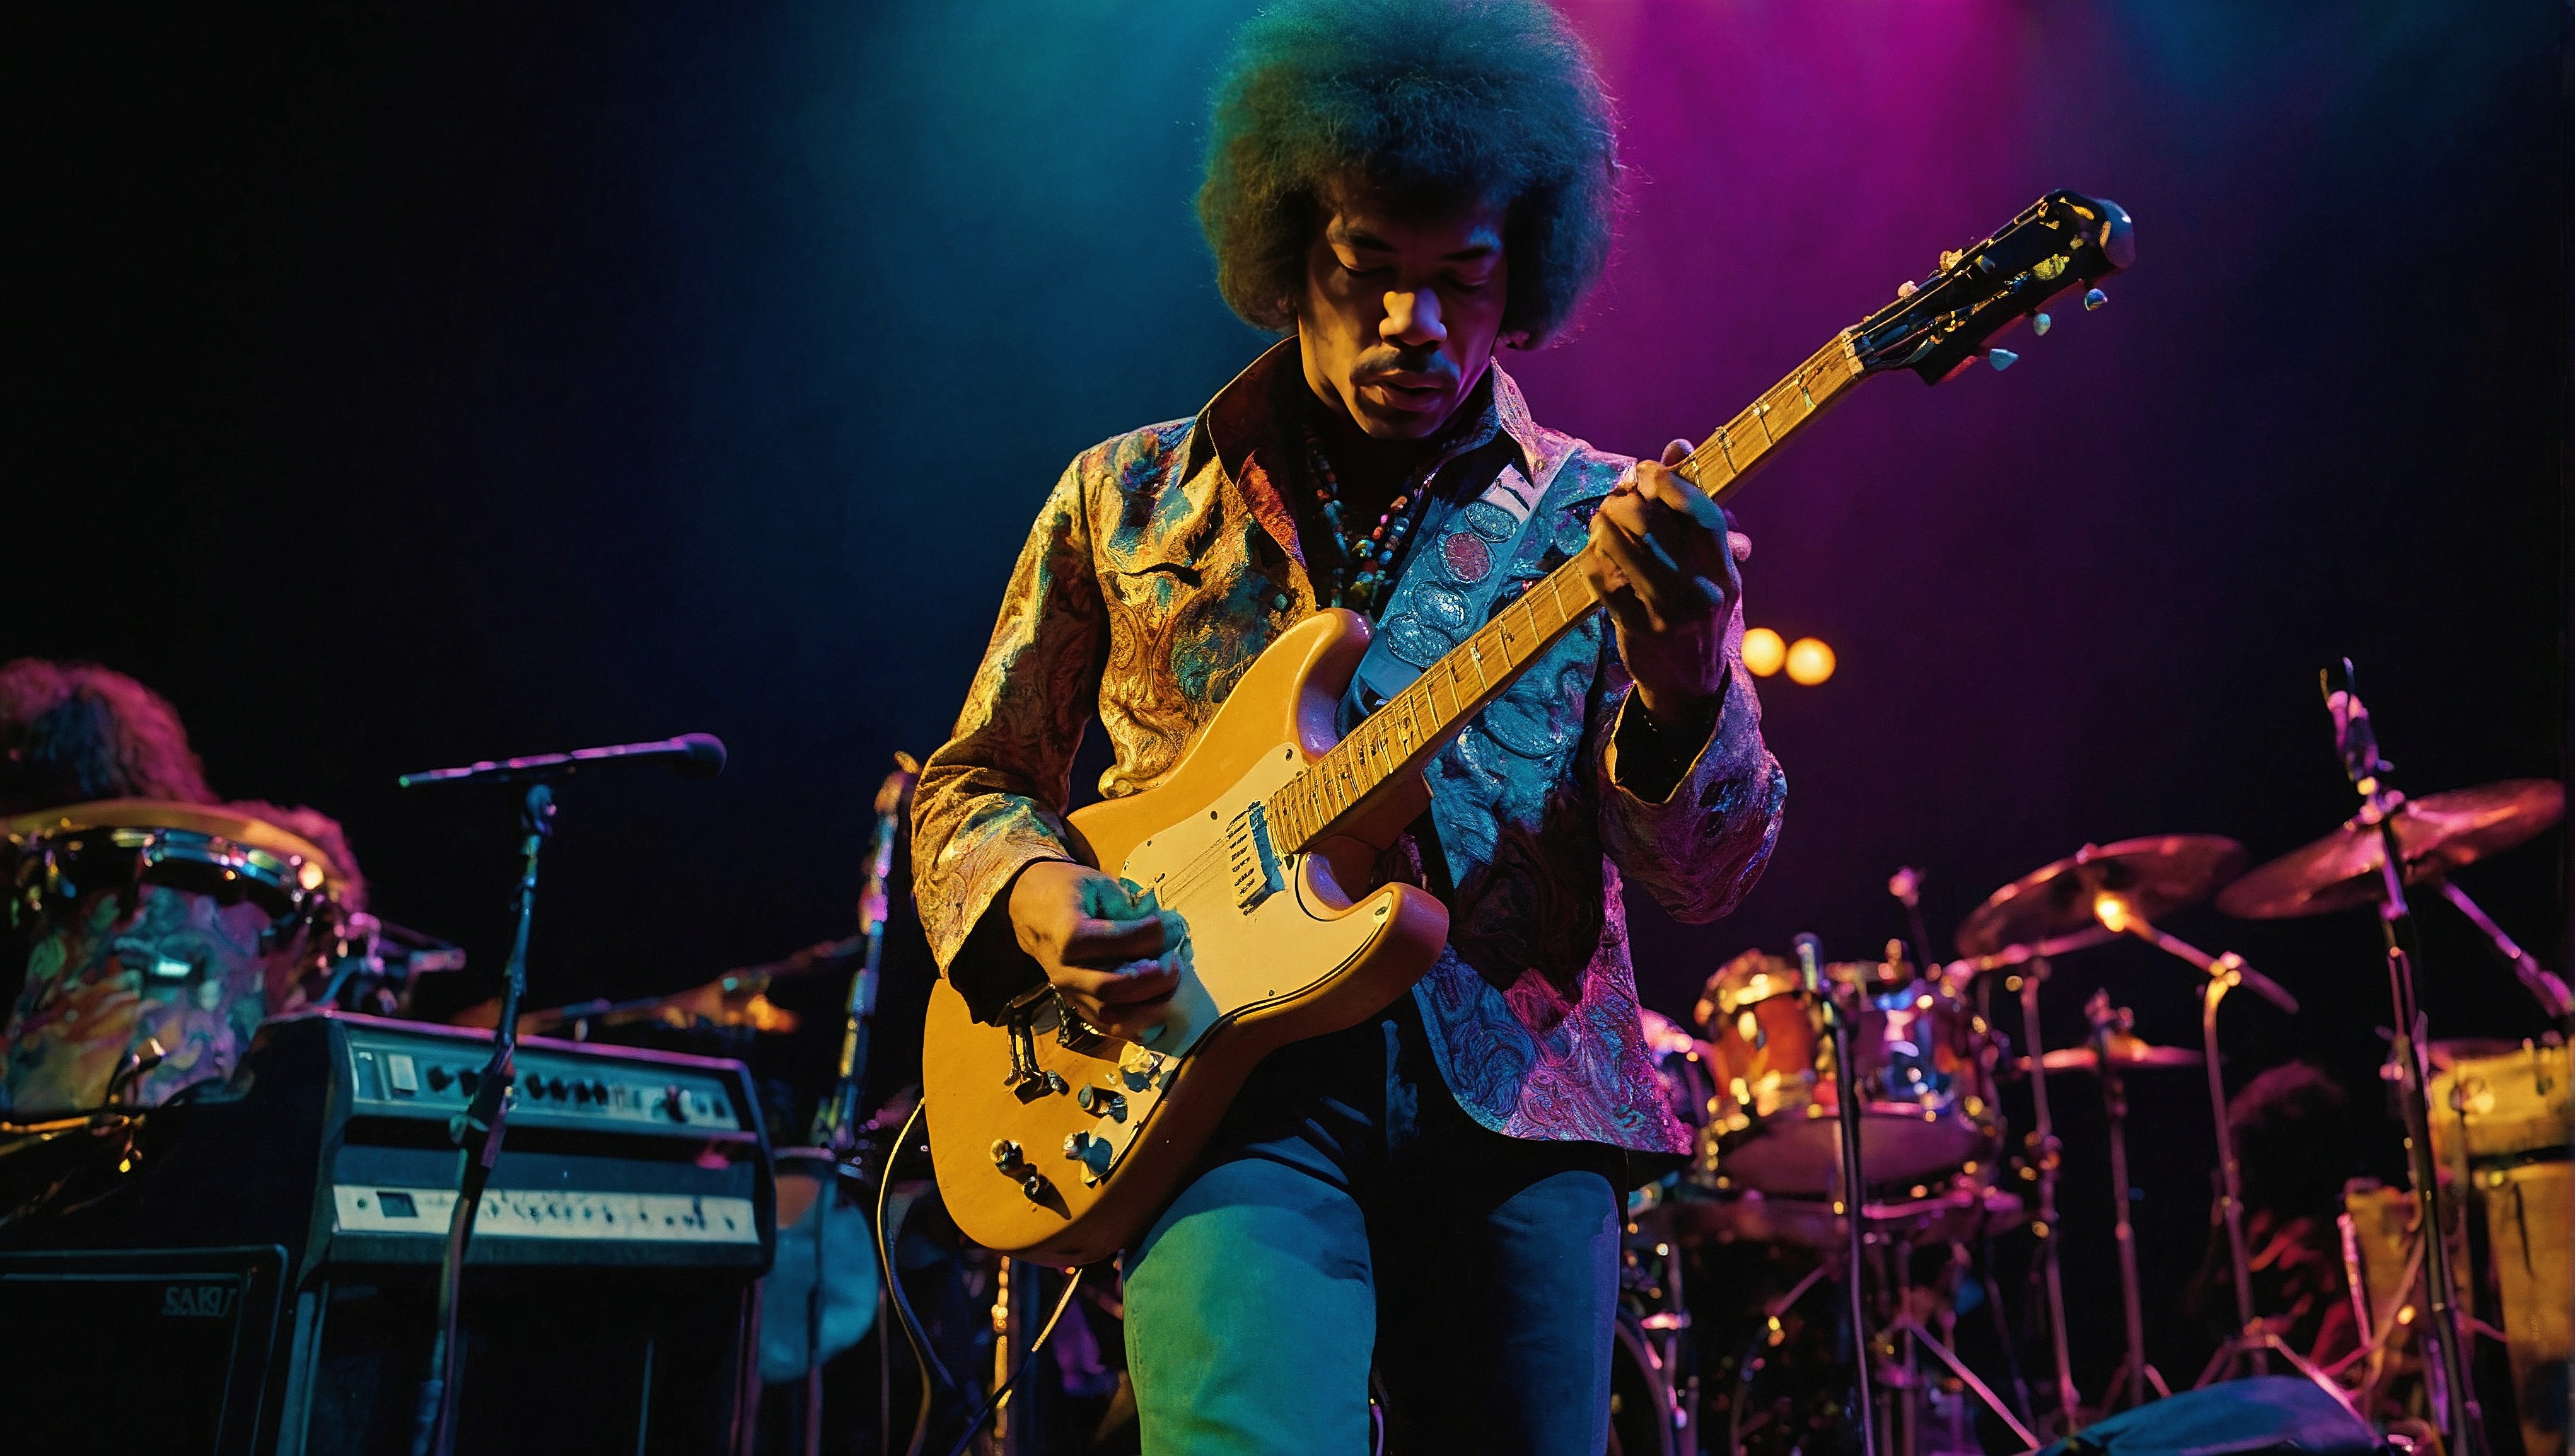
1165, 559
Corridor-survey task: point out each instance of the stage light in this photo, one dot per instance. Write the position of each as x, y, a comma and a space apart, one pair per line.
1809, 660
1764, 652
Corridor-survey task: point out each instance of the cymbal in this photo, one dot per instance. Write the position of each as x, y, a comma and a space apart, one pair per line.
2125, 1053
2154, 876
2435, 834
736, 998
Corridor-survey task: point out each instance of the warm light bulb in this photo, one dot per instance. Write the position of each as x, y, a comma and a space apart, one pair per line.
1764, 652
2111, 911
1809, 660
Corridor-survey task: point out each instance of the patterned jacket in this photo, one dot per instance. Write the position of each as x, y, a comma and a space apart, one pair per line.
1165, 559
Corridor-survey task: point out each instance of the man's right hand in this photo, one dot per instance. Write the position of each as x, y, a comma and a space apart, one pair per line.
1083, 929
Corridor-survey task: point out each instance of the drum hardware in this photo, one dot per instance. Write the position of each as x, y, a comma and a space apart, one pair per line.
2246, 1350
1904, 1334
2357, 743
376, 965
137, 1064
2051, 1156
2053, 911
2115, 1048
2435, 834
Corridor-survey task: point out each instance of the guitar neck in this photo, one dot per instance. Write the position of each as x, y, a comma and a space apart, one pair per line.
1400, 736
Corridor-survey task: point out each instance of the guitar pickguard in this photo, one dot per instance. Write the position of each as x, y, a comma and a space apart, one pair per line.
1258, 929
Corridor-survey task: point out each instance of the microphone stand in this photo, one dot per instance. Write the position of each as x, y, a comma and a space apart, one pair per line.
477, 1133
1854, 1185
836, 1121
2357, 743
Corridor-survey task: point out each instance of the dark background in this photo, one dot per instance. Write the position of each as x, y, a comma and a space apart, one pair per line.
395, 387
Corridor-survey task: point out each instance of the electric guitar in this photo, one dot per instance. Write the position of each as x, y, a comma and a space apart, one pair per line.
1055, 1142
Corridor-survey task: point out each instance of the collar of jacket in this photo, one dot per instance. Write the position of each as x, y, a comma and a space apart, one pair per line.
1241, 428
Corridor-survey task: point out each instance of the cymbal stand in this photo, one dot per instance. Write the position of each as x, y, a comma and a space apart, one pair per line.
2107, 1022
2050, 1155
2543, 984
1914, 1329
2248, 1349
2356, 740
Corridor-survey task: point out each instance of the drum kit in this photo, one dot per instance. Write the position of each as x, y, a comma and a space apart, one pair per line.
1761, 1084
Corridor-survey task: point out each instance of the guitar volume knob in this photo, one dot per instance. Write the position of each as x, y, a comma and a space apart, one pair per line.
1007, 1154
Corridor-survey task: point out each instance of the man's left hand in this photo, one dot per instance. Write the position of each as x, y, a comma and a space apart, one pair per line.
1666, 566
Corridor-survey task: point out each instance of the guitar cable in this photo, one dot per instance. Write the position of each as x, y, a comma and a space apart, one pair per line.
926, 1359
923, 1357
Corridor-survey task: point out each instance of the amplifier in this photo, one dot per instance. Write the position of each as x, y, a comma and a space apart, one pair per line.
609, 1296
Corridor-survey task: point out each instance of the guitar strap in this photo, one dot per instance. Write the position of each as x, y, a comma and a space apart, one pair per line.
1446, 586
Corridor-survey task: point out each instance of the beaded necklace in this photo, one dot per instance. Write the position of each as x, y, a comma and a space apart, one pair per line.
1366, 565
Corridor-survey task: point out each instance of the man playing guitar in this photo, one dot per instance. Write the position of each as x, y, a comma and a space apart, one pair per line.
1401, 186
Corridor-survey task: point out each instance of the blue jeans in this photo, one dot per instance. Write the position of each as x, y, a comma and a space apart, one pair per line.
1347, 1211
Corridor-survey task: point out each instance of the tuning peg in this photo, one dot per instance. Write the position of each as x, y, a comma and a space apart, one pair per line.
2039, 324
2094, 298
2002, 359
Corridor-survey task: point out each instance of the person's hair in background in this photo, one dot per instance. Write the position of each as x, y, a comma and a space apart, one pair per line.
71, 732
1444, 103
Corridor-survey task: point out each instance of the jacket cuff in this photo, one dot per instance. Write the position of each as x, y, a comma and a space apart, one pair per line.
1647, 759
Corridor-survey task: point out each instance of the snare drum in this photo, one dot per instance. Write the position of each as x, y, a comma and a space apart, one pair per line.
1774, 1116
147, 921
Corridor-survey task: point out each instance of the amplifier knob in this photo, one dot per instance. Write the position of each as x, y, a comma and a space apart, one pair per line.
675, 1103
439, 1077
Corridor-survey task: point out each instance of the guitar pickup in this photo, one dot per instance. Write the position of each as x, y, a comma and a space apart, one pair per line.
1249, 859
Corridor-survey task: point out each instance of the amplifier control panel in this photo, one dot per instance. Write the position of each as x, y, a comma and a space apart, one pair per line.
428, 1073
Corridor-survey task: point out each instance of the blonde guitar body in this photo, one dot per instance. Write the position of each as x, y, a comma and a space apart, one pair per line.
1273, 954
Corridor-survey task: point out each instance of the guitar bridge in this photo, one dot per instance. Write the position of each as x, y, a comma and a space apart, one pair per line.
1026, 1080
1253, 863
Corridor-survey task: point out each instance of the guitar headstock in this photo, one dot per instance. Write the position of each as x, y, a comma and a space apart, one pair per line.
2062, 241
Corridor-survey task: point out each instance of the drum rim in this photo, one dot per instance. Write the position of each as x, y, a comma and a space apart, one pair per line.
222, 826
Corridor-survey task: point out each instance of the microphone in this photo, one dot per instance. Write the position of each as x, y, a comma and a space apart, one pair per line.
690, 755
